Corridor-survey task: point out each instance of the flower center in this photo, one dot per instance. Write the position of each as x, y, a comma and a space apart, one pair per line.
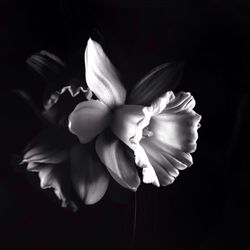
147, 133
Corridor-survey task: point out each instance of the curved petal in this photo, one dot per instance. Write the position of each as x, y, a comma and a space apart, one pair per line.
129, 123
125, 122
182, 101
89, 177
148, 172
56, 177
166, 161
161, 135
89, 119
37, 154
113, 155
50, 146
177, 124
50, 67
174, 127
161, 79
101, 76
59, 104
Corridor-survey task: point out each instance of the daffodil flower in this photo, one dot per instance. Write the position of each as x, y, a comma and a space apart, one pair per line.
157, 126
162, 135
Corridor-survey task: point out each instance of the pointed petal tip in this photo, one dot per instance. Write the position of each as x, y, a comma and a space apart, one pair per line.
23, 161
101, 75
150, 177
134, 189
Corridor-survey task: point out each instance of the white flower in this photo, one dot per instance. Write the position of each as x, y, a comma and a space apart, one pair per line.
158, 126
162, 135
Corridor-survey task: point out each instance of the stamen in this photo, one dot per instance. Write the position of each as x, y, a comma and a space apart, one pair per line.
147, 133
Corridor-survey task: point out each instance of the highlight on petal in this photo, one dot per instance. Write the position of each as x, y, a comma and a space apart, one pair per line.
160, 80
174, 126
101, 76
88, 119
182, 101
50, 146
129, 124
165, 160
177, 124
112, 153
90, 178
148, 172
162, 135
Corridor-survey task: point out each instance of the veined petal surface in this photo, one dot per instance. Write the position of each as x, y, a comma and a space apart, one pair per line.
158, 81
101, 76
177, 124
161, 135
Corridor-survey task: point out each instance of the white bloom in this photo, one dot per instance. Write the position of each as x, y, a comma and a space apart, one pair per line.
162, 135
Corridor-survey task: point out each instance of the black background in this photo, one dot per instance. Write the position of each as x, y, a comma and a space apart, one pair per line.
207, 207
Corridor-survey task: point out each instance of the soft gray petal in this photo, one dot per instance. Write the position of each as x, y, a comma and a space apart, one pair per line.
101, 76
123, 169
90, 178
88, 119
177, 125
160, 80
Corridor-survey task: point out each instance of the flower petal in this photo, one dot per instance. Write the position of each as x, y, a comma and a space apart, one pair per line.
174, 127
57, 177
165, 160
50, 146
125, 123
62, 102
120, 166
89, 119
161, 135
177, 125
148, 172
101, 76
128, 124
89, 177
50, 67
182, 101
161, 79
